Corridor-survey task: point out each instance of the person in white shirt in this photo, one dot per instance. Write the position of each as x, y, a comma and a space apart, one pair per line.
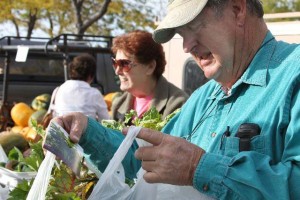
77, 95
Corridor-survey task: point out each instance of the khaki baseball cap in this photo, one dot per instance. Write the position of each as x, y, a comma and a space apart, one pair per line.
179, 13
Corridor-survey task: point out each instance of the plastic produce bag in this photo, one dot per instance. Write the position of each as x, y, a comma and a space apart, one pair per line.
3, 156
112, 182
9, 179
4, 192
39, 187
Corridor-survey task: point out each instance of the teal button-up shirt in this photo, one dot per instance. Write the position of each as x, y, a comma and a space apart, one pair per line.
267, 94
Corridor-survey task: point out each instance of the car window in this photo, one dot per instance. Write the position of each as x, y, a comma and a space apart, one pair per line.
193, 76
34, 66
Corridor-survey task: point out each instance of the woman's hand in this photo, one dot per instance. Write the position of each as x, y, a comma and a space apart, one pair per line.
74, 123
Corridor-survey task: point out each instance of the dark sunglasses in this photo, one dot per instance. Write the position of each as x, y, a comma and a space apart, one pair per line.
124, 64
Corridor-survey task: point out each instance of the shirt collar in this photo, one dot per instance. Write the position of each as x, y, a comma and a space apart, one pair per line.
256, 73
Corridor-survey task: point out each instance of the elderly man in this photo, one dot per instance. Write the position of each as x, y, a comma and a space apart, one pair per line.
237, 137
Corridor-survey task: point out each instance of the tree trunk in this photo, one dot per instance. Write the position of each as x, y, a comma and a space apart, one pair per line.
82, 27
16, 27
31, 22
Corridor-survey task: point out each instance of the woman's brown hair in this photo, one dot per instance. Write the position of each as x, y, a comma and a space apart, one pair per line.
141, 45
82, 67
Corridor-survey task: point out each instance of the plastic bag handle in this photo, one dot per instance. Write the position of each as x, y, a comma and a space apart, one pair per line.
117, 159
121, 152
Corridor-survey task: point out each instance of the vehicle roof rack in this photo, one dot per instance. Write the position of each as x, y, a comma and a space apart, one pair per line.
62, 44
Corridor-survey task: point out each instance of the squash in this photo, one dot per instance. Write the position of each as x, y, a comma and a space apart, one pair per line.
37, 116
41, 102
16, 129
30, 134
20, 114
9, 140
24, 131
108, 98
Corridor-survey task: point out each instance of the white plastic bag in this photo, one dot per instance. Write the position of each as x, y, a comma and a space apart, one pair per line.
3, 156
112, 186
40, 184
4, 192
11, 178
112, 182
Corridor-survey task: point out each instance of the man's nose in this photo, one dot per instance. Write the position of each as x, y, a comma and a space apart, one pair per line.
188, 44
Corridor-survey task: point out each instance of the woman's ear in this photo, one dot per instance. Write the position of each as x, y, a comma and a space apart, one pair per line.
151, 67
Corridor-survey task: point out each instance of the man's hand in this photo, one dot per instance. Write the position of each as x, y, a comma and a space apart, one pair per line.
170, 160
74, 123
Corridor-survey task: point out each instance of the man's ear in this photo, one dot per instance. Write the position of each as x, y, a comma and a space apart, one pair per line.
239, 8
151, 67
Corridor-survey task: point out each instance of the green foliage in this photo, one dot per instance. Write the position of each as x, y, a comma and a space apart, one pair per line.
279, 6
65, 185
21, 191
112, 124
98, 17
151, 119
24, 13
127, 16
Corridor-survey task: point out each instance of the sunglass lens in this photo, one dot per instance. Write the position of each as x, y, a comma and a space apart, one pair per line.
122, 63
125, 65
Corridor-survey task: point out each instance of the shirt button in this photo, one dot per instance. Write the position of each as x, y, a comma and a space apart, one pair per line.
205, 188
213, 134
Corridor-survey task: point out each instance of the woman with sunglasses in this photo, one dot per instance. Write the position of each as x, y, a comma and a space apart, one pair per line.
140, 62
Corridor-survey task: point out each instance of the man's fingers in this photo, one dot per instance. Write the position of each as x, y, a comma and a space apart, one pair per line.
148, 165
58, 120
74, 123
152, 177
151, 136
146, 153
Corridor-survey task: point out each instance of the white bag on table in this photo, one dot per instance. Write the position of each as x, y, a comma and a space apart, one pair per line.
9, 179
112, 184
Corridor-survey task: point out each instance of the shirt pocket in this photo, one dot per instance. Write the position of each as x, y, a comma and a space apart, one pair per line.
230, 145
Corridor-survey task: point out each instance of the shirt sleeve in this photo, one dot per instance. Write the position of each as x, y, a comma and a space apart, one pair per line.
100, 143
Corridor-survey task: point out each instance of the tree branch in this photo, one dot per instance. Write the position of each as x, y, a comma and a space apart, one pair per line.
95, 18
